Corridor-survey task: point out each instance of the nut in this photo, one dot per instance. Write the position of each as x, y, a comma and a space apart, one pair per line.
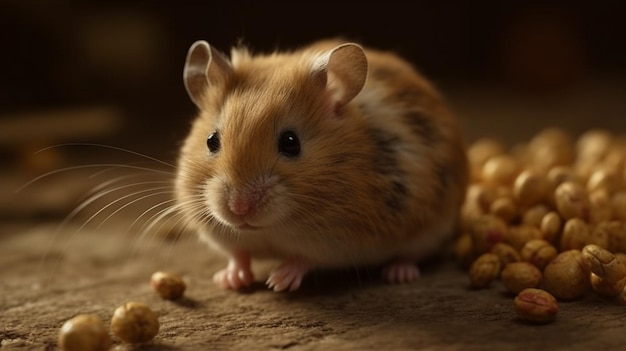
168, 285
550, 147
605, 288
618, 201
616, 234
572, 201
603, 263
463, 249
500, 170
576, 234
594, 144
550, 226
518, 276
486, 232
530, 188
605, 179
566, 276
135, 322
505, 208
484, 270
518, 236
538, 252
534, 215
601, 206
506, 253
561, 174
481, 150
85, 332
536, 305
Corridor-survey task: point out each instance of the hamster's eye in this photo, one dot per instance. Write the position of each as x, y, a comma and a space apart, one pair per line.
289, 144
213, 142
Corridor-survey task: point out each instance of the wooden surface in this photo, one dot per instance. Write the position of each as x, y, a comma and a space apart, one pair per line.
96, 271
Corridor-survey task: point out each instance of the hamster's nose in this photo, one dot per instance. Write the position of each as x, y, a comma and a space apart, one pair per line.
242, 204
239, 206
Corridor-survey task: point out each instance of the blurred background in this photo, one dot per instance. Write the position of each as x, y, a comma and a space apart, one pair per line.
110, 72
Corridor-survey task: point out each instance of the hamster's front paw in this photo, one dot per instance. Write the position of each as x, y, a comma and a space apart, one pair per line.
237, 274
288, 276
400, 272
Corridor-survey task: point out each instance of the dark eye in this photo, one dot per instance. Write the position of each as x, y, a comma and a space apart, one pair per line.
289, 144
213, 142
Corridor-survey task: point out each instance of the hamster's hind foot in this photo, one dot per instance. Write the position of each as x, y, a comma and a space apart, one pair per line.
237, 274
288, 276
401, 272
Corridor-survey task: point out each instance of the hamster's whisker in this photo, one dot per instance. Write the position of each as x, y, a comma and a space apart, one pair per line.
102, 194
136, 200
110, 182
108, 147
152, 219
100, 165
143, 230
149, 170
161, 217
163, 213
117, 201
91, 199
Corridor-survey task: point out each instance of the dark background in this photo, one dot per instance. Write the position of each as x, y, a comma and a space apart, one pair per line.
60, 55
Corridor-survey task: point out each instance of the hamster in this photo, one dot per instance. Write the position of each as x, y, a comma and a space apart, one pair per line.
329, 156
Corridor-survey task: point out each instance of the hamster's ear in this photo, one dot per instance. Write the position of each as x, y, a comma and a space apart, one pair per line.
344, 71
203, 66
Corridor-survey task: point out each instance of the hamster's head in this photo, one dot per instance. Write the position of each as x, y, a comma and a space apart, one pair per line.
263, 151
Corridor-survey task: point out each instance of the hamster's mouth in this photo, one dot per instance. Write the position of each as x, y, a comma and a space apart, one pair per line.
246, 226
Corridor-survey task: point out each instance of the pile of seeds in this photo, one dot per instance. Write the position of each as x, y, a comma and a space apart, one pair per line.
548, 215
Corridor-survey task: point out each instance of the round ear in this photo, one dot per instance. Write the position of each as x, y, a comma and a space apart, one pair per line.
345, 67
203, 65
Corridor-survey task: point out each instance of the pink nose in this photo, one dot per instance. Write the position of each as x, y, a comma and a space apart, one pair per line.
241, 204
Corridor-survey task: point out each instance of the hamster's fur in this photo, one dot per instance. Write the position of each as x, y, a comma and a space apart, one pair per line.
328, 156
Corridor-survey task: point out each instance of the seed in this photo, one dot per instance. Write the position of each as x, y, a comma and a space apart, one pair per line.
603, 263
484, 270
168, 285
536, 305
85, 332
506, 253
605, 288
605, 179
550, 147
518, 236
618, 201
561, 174
530, 188
601, 206
566, 276
616, 235
576, 234
483, 149
504, 208
463, 249
487, 231
500, 170
594, 144
534, 215
572, 201
538, 252
518, 276
550, 226
480, 151
134, 322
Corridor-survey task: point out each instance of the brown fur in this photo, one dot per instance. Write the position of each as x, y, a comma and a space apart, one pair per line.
382, 179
